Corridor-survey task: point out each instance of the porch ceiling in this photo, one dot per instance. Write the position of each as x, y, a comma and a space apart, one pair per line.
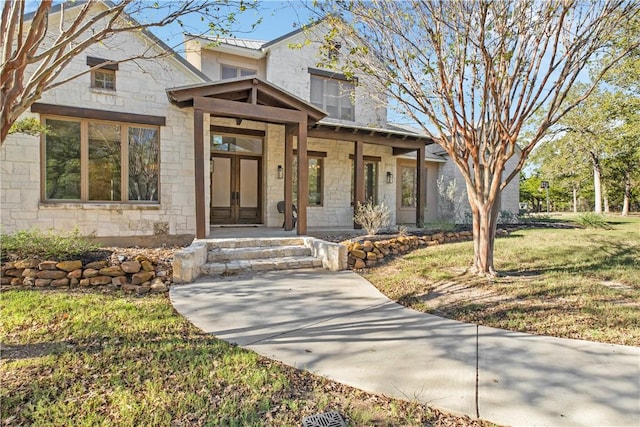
245, 90
402, 142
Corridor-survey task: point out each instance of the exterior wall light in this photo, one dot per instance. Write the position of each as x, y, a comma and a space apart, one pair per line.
280, 172
389, 178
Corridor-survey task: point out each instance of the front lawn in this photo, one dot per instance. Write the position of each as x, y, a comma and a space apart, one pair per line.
91, 358
575, 283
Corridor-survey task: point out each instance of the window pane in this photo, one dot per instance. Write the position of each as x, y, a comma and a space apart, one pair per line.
371, 181
104, 79
104, 162
315, 181
247, 73
143, 164
408, 187
316, 92
229, 72
62, 157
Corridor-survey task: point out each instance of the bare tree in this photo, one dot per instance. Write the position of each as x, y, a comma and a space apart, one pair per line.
34, 54
473, 74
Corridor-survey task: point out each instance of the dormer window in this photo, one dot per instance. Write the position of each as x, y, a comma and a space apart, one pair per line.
231, 72
103, 73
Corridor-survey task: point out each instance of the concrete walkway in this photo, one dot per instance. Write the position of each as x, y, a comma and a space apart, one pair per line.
338, 325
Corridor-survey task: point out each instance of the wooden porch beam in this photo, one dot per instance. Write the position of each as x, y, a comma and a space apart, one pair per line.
225, 108
358, 185
369, 139
288, 176
198, 148
303, 176
421, 190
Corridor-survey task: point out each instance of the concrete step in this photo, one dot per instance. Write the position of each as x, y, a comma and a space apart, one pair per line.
232, 243
252, 265
223, 255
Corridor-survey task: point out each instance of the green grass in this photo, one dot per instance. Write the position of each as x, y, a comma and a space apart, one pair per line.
92, 359
573, 283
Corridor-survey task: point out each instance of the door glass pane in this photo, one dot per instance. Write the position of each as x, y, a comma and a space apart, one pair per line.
408, 187
236, 144
104, 162
371, 181
248, 183
221, 185
143, 164
62, 157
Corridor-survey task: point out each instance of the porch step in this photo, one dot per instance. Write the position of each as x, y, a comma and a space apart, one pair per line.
236, 256
222, 255
243, 266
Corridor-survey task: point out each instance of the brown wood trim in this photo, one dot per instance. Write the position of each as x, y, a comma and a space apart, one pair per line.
421, 187
93, 61
367, 158
198, 159
400, 151
358, 183
225, 108
331, 75
237, 131
303, 177
288, 177
311, 153
390, 141
90, 113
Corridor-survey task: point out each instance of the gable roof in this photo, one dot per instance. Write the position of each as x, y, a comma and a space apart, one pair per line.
245, 90
144, 31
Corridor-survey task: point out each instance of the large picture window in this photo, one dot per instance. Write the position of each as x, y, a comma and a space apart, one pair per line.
97, 161
335, 96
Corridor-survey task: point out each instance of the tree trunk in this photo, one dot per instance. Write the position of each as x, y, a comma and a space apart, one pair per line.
627, 193
575, 199
485, 220
597, 187
605, 197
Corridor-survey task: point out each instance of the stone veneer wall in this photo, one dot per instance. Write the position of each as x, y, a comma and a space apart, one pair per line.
136, 275
140, 89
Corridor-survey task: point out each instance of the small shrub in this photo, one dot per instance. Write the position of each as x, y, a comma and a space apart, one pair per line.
592, 220
372, 217
403, 231
40, 244
507, 217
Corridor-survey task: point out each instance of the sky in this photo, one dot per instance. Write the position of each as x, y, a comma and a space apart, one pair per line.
277, 18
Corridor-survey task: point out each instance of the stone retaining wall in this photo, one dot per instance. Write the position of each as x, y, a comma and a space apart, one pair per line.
364, 252
136, 275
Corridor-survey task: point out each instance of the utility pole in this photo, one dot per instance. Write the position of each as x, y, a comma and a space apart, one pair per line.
545, 185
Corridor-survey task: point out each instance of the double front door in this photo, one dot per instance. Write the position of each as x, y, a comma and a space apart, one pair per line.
236, 182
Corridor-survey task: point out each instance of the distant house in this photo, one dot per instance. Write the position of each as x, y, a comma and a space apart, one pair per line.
160, 150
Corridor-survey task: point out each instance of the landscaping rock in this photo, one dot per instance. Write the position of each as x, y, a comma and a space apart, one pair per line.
140, 278
30, 272
47, 265
146, 266
128, 287
27, 263
69, 265
112, 271
100, 280
75, 274
51, 274
158, 286
89, 273
42, 282
15, 272
17, 281
131, 267
119, 281
60, 282
96, 265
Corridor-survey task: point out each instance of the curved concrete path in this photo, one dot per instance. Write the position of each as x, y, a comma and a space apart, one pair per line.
338, 325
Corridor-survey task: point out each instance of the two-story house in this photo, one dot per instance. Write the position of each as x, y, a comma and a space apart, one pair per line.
164, 149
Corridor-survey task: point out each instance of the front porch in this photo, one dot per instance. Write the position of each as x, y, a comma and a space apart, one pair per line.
260, 231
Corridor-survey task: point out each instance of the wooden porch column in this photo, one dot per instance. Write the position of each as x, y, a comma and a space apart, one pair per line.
198, 156
358, 171
421, 190
303, 177
288, 176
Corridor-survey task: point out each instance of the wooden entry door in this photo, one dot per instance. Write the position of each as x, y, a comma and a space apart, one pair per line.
236, 183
